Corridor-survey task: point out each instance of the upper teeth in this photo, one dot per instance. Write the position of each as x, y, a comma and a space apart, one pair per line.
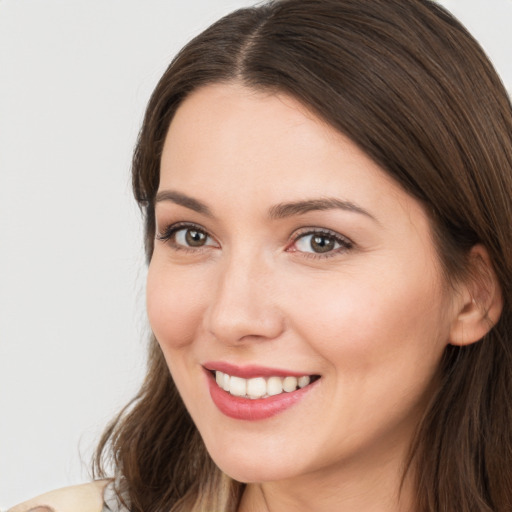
259, 387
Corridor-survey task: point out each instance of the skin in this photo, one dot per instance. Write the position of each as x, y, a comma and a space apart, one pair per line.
372, 318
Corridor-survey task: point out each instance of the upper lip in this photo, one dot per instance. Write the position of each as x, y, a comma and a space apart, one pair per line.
250, 371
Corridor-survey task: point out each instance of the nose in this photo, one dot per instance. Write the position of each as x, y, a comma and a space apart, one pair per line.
243, 306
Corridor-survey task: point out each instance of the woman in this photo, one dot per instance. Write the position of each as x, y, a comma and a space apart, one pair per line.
327, 190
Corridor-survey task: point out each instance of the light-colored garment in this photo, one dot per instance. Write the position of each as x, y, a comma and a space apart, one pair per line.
111, 502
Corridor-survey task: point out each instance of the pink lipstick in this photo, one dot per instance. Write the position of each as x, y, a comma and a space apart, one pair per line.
255, 393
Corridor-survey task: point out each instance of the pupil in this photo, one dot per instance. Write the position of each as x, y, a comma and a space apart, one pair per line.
195, 238
322, 244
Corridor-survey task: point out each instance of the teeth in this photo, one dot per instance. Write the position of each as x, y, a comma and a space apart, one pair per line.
225, 381
304, 381
259, 387
290, 384
256, 388
274, 386
237, 386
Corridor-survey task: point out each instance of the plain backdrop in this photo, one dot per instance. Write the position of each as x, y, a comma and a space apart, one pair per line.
75, 76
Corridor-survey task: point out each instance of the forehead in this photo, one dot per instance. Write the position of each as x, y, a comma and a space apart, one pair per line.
229, 134
240, 150
241, 153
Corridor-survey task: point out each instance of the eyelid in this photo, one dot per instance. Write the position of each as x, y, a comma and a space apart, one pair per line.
345, 243
170, 230
166, 235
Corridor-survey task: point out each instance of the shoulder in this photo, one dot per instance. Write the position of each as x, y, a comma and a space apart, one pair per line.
78, 498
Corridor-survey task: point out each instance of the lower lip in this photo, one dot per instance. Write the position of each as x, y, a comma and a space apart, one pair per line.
252, 410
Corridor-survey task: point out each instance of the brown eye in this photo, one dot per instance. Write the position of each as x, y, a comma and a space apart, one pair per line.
317, 243
193, 237
322, 243
190, 237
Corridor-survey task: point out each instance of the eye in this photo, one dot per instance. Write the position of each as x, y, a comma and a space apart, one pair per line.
186, 236
321, 243
190, 237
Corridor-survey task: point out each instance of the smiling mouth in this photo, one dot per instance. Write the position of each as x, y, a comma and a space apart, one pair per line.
261, 387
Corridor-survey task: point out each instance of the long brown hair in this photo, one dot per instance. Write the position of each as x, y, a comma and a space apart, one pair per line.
408, 84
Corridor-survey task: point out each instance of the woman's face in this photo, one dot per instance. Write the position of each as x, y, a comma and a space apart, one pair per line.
283, 256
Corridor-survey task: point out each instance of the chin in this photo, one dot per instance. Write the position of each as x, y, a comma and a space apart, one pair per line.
249, 468
249, 473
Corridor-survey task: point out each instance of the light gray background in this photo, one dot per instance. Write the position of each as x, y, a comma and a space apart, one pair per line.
75, 76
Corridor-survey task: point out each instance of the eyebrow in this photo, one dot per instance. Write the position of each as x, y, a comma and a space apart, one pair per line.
282, 210
183, 200
278, 211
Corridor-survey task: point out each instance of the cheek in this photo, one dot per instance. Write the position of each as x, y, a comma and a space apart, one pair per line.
366, 323
381, 348
175, 304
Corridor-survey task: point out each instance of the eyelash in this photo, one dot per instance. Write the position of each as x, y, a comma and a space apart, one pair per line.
345, 244
167, 236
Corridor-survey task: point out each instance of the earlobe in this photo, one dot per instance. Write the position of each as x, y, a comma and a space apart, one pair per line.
480, 300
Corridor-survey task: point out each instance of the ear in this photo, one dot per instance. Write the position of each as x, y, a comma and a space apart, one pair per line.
480, 301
